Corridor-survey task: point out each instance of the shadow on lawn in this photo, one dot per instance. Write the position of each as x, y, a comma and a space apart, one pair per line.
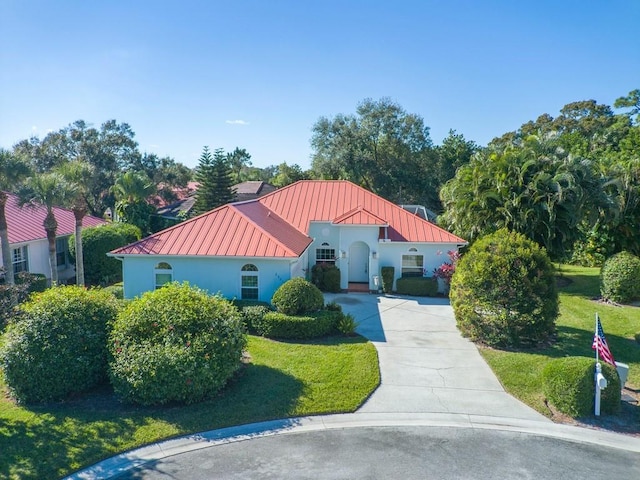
57, 439
577, 342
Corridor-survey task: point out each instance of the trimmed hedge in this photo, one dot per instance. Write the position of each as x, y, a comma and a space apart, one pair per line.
253, 315
387, 274
175, 344
568, 383
297, 296
280, 325
418, 286
326, 277
59, 345
503, 292
96, 243
620, 278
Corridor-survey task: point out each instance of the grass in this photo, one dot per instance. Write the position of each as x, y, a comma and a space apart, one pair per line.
281, 380
520, 371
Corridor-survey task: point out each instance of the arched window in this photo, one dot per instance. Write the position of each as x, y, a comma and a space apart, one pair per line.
249, 282
163, 274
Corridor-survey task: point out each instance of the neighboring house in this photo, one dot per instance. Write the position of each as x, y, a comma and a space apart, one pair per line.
180, 209
248, 249
28, 239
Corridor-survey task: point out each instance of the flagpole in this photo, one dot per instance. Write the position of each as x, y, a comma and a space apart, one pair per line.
595, 337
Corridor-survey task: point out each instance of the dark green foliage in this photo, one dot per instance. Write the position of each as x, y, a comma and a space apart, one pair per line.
116, 290
96, 243
387, 274
240, 304
253, 315
59, 345
175, 344
326, 277
13, 295
216, 180
620, 278
35, 282
418, 286
568, 383
594, 249
504, 293
297, 296
333, 306
312, 325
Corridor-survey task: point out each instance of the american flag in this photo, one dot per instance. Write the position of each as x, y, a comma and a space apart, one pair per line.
600, 344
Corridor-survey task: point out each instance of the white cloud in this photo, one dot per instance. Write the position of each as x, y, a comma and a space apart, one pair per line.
236, 122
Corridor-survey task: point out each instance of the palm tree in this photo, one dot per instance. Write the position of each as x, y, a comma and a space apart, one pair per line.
131, 191
12, 171
47, 189
78, 173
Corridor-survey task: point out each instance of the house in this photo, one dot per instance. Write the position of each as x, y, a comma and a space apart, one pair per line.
28, 239
180, 209
248, 249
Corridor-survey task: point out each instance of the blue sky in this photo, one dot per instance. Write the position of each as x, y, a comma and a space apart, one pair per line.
259, 74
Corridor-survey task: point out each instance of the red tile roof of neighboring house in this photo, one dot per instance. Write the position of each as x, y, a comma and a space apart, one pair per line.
237, 229
25, 223
309, 201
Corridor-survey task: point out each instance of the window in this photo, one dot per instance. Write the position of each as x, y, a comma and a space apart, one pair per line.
20, 259
326, 254
62, 252
249, 282
163, 273
412, 265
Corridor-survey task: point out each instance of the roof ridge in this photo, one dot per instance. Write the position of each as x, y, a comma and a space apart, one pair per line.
271, 212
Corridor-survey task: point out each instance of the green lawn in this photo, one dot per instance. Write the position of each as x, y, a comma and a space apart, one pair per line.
281, 380
520, 372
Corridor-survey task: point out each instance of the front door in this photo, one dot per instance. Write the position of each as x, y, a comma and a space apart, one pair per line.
359, 262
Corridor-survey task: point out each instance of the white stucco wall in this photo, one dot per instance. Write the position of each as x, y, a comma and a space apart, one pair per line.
213, 274
435, 254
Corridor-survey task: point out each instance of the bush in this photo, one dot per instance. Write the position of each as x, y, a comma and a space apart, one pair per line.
326, 277
59, 345
313, 325
620, 278
96, 243
116, 290
297, 296
253, 315
418, 286
175, 344
568, 383
387, 274
503, 292
333, 306
11, 296
347, 325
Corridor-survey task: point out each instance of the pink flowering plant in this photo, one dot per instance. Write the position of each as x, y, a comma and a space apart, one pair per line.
447, 269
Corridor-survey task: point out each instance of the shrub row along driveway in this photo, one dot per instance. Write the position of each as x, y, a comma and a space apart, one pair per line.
425, 364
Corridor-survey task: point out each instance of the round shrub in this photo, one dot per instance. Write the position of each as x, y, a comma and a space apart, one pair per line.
297, 296
503, 292
568, 383
313, 325
96, 243
59, 344
620, 278
326, 277
175, 344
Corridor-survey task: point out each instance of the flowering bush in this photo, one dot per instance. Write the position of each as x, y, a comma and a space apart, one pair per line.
447, 269
58, 346
175, 344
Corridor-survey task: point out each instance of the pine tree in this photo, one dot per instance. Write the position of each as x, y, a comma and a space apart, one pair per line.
215, 178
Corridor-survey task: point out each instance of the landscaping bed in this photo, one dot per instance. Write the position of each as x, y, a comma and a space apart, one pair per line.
520, 371
278, 380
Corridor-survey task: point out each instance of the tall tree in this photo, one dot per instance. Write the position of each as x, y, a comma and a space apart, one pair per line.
288, 174
78, 174
48, 190
131, 191
239, 161
632, 101
12, 171
381, 147
168, 175
215, 178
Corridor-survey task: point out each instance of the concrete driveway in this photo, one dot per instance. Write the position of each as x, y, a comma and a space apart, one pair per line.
426, 366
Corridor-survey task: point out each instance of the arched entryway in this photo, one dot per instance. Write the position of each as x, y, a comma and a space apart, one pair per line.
359, 264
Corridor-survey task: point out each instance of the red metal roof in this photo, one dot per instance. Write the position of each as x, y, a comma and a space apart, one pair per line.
25, 223
245, 229
309, 201
277, 225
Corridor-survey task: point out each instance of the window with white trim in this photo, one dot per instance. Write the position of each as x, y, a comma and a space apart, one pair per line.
20, 259
326, 254
412, 264
249, 282
163, 274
